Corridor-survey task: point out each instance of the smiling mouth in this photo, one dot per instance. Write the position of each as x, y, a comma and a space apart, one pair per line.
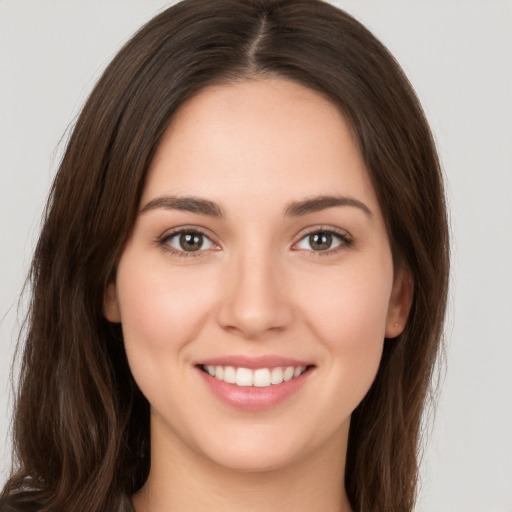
260, 378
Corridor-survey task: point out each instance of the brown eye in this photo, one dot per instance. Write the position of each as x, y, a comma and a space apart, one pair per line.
322, 241
189, 241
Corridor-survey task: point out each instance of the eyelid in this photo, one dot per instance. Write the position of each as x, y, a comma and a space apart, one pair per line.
346, 239
171, 233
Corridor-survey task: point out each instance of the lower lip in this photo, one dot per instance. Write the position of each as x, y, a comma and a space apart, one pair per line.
252, 398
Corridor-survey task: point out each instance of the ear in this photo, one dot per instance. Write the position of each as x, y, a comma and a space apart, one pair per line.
110, 305
399, 303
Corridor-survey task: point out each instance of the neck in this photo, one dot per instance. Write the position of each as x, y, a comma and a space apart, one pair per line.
181, 480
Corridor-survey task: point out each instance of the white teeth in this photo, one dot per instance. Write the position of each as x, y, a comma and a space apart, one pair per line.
288, 373
243, 377
277, 376
261, 378
229, 375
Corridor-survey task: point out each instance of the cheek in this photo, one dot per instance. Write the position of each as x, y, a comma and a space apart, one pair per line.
350, 300
161, 312
348, 315
157, 303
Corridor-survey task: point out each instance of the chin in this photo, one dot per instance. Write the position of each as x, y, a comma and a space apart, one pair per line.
269, 448
247, 460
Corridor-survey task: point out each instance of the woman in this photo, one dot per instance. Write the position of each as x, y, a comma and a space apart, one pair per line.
239, 288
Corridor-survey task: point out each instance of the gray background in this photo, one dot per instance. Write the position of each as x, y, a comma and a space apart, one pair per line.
458, 56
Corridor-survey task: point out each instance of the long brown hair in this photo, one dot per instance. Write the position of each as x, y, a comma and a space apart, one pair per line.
81, 425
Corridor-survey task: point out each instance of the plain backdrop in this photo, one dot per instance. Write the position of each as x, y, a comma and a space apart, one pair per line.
458, 56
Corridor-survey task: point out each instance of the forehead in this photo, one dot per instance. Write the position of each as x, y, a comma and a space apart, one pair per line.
256, 139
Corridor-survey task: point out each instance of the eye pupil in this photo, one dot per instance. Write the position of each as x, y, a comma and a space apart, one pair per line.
191, 241
320, 241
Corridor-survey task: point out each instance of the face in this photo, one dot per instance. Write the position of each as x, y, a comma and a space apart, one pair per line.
257, 287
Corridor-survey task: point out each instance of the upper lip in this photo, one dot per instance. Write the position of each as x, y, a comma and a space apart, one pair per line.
253, 363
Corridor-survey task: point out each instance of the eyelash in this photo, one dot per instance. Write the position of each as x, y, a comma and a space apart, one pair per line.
345, 242
163, 242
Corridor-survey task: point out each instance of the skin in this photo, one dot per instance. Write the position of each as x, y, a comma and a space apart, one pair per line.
257, 288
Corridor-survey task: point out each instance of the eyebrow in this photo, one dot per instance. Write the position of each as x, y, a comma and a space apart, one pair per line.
185, 203
318, 203
294, 209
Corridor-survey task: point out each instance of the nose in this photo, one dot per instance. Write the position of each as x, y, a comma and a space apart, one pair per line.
254, 299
